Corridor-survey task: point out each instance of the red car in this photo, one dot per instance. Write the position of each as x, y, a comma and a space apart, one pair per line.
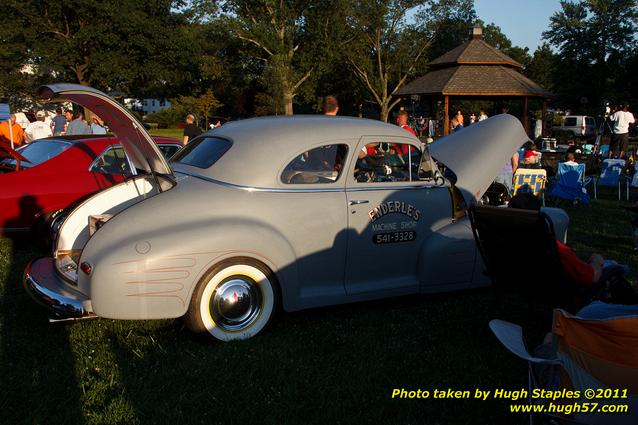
49, 175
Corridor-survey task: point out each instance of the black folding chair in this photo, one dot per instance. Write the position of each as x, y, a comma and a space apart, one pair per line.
520, 254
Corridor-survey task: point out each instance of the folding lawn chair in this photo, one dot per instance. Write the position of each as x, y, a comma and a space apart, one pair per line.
530, 180
570, 183
588, 148
610, 176
520, 254
585, 354
604, 151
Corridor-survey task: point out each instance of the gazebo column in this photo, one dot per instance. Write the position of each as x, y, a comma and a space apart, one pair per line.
525, 115
446, 116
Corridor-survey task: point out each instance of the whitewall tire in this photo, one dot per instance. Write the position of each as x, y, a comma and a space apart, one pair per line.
234, 300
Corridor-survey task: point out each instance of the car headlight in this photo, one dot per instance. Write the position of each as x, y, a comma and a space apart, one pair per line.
66, 263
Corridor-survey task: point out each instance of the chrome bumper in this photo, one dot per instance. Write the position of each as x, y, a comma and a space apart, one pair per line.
50, 291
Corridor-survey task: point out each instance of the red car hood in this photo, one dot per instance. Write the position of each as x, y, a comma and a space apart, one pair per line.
133, 137
6, 152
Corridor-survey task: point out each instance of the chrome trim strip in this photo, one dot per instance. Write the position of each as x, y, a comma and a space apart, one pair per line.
259, 189
59, 305
398, 187
304, 190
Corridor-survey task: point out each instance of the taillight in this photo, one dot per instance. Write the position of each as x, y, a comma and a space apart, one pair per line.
86, 267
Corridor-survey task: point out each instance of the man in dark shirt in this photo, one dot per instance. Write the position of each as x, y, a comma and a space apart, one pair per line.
190, 129
58, 123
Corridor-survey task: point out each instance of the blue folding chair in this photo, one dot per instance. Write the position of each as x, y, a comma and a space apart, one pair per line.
604, 151
570, 183
588, 148
610, 175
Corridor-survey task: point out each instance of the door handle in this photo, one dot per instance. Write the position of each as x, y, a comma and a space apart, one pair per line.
358, 202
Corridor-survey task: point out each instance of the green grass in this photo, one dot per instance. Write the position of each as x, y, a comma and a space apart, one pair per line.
324, 366
176, 133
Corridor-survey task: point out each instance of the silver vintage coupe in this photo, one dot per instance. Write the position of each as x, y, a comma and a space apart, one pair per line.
297, 212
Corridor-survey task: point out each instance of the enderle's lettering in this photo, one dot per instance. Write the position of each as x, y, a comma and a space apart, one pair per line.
395, 207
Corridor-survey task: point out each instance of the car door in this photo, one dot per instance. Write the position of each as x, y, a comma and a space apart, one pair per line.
391, 213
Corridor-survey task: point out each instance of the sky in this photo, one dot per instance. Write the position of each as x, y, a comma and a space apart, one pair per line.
522, 21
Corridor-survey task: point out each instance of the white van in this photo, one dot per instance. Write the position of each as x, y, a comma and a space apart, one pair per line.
578, 125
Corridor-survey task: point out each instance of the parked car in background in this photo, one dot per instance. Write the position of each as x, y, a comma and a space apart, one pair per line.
578, 125
58, 172
302, 212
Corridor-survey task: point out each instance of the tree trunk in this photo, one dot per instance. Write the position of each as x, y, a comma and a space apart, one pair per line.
384, 110
288, 96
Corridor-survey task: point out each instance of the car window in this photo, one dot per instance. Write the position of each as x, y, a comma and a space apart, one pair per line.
112, 161
570, 121
168, 150
39, 151
202, 152
388, 162
319, 165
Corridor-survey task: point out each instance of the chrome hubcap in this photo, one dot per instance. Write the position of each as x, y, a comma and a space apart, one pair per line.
236, 303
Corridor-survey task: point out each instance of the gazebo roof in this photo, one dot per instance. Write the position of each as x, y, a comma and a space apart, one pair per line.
474, 69
474, 52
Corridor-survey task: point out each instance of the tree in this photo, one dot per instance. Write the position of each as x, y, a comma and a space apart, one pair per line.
587, 33
287, 36
493, 36
385, 51
118, 45
447, 23
542, 67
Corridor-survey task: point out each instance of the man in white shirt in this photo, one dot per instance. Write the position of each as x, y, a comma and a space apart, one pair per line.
38, 129
621, 120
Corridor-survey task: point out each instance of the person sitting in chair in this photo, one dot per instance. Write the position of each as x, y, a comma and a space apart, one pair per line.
584, 273
570, 159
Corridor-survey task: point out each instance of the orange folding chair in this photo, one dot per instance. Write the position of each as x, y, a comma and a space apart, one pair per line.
585, 354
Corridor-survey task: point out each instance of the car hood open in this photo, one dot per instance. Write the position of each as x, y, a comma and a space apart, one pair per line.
477, 153
132, 135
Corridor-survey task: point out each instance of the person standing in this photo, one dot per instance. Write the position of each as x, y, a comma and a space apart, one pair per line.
78, 125
402, 121
472, 118
58, 122
431, 127
38, 129
190, 129
97, 126
421, 125
621, 120
459, 118
482, 115
11, 134
330, 105
506, 175
455, 125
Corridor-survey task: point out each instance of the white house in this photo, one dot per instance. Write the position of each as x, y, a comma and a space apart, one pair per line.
151, 106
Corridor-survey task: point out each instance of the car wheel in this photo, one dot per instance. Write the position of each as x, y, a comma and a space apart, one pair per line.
234, 300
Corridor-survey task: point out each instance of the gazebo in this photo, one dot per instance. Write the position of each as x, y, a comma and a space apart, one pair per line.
476, 71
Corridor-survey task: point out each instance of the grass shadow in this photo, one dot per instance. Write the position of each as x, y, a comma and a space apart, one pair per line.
37, 370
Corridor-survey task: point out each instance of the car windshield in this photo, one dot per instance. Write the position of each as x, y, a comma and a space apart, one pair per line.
202, 152
38, 152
